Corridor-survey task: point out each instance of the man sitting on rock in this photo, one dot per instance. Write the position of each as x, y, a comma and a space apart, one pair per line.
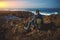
35, 23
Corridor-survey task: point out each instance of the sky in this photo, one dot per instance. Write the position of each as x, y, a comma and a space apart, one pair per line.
29, 3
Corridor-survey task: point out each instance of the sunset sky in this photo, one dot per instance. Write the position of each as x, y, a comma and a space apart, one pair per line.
29, 3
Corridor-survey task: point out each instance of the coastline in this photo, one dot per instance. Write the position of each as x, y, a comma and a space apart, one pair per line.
13, 29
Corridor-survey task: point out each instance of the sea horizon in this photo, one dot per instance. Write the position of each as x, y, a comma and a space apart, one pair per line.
43, 11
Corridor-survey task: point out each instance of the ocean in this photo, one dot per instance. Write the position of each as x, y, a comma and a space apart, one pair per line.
43, 11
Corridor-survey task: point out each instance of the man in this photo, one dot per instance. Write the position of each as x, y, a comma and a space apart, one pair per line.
35, 23
38, 20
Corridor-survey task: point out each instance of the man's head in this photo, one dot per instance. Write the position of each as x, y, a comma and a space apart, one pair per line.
37, 11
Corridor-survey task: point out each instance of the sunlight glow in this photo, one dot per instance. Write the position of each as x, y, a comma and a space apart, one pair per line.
3, 5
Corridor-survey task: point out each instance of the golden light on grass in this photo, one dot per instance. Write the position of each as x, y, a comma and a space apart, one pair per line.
3, 5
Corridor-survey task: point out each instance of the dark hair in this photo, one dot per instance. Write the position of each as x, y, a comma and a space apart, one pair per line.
37, 11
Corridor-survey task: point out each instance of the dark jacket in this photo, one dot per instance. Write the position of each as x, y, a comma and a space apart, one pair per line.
32, 22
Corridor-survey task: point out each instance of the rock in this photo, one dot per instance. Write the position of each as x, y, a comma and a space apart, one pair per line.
13, 30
